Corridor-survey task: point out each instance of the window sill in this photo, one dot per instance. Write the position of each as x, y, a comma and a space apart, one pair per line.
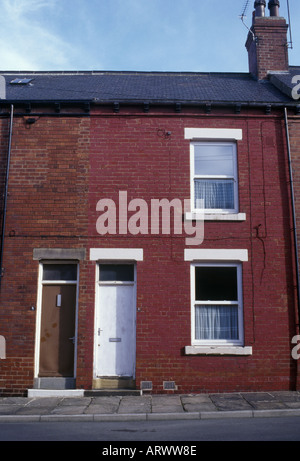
194, 216
218, 350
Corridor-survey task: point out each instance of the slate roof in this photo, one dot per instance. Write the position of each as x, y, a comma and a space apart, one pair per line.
153, 87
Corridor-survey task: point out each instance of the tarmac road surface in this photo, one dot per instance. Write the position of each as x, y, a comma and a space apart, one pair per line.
136, 434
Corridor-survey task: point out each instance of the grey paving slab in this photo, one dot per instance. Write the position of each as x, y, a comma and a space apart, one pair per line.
294, 405
33, 410
103, 405
68, 410
69, 401
258, 397
287, 396
9, 409
261, 405
132, 404
167, 404
230, 402
44, 402
266, 400
197, 403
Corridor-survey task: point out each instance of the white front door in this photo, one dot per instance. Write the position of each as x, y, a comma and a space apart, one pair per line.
116, 325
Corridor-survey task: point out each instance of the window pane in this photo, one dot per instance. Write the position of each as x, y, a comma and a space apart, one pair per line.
216, 322
116, 273
60, 272
216, 283
216, 194
214, 159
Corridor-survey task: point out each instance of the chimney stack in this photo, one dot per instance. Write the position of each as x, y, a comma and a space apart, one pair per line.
267, 43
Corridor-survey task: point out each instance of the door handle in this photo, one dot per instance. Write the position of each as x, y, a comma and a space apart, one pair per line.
72, 339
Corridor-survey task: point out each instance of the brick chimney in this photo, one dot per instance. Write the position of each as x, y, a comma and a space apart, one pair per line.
267, 43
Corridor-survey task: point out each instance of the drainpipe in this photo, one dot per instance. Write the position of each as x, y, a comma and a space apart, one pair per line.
5, 191
294, 212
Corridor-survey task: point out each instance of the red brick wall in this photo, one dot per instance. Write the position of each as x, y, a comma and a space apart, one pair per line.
294, 133
62, 166
46, 208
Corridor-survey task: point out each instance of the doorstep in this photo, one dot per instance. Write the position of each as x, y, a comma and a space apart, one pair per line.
55, 393
111, 392
114, 383
54, 383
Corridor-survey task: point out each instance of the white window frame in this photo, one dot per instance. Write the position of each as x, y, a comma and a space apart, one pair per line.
235, 209
239, 303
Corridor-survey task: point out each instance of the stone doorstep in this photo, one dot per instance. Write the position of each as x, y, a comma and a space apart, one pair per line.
113, 383
37, 393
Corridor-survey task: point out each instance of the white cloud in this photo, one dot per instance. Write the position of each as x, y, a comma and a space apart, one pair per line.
20, 7
25, 42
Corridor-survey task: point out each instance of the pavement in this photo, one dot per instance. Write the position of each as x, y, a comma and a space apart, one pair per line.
149, 407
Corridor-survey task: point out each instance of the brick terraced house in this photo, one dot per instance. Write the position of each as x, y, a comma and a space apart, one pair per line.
148, 226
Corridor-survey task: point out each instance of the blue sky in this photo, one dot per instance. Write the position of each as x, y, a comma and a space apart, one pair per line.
141, 35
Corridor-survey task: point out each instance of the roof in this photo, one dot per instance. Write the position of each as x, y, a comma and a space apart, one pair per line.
153, 87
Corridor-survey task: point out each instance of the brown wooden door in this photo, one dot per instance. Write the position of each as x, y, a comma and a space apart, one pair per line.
57, 331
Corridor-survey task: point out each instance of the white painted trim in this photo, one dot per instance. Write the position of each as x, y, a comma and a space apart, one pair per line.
218, 350
2, 348
195, 216
215, 255
32, 393
213, 133
38, 321
117, 254
2, 87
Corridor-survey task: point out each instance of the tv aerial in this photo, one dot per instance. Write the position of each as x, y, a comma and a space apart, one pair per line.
245, 9
243, 15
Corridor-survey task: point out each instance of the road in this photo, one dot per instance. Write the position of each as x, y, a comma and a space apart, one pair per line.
178, 432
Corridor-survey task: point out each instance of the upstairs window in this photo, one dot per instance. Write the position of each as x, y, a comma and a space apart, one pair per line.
214, 177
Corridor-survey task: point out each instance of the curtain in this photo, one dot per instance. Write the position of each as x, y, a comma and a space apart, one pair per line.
216, 322
216, 193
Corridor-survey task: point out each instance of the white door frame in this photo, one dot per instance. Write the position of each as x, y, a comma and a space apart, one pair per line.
97, 307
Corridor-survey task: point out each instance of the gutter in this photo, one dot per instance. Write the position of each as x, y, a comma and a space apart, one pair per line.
294, 212
153, 102
6, 190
